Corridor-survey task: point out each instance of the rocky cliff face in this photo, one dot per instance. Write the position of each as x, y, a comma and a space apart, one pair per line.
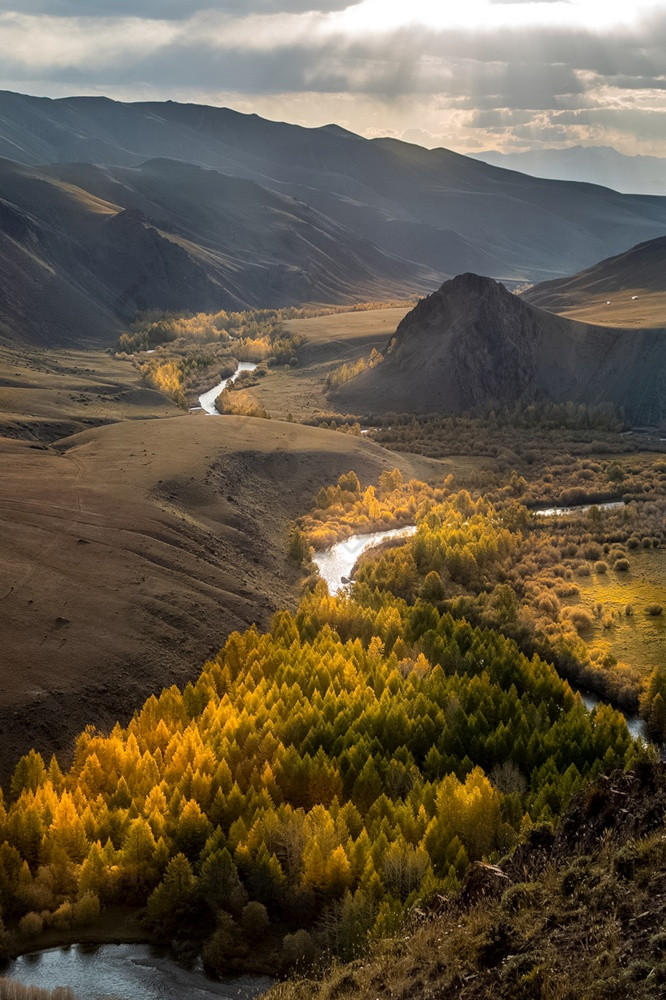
472, 344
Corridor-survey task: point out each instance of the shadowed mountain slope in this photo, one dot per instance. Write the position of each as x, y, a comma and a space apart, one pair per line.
83, 248
627, 290
435, 208
473, 344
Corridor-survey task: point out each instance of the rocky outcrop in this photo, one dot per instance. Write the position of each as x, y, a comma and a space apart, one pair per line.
472, 345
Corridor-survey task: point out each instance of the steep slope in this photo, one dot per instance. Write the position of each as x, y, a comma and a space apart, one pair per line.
590, 164
433, 207
83, 248
626, 290
473, 344
574, 912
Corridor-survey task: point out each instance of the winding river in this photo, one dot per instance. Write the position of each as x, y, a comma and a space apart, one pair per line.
127, 972
139, 972
207, 399
337, 562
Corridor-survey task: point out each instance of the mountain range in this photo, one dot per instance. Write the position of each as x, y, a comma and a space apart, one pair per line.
84, 248
107, 209
591, 164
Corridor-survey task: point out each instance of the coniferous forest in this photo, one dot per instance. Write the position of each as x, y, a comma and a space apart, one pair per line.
322, 777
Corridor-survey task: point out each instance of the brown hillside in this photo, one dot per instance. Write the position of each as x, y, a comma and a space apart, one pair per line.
130, 551
83, 249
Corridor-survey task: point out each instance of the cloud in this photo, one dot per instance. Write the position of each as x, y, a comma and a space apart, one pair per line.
502, 3
479, 78
165, 9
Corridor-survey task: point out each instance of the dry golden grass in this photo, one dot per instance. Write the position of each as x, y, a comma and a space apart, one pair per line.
332, 340
45, 394
11, 990
344, 326
647, 310
131, 550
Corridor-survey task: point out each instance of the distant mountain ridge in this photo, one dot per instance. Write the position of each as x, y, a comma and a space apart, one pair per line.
589, 164
379, 188
472, 344
239, 211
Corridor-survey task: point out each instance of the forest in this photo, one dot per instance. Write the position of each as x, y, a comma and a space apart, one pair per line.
493, 561
320, 778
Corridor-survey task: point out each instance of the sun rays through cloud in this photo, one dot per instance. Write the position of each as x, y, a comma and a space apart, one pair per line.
503, 74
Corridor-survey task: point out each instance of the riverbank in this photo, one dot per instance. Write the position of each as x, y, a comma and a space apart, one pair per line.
336, 563
208, 399
115, 925
123, 928
129, 972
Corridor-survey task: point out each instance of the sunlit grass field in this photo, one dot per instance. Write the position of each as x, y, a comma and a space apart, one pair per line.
637, 638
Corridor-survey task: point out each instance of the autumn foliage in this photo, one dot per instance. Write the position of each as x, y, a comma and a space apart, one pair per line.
332, 771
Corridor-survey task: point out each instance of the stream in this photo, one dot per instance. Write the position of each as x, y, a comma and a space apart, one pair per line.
581, 508
140, 972
337, 562
127, 972
207, 399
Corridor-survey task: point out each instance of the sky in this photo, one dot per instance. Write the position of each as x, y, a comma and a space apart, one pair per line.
465, 74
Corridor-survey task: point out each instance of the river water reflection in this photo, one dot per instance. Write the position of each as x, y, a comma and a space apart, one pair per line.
127, 972
336, 563
207, 399
581, 508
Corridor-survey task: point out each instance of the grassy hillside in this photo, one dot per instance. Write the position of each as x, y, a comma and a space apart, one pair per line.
132, 546
628, 290
83, 249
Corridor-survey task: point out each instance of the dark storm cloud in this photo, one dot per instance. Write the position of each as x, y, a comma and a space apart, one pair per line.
518, 68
